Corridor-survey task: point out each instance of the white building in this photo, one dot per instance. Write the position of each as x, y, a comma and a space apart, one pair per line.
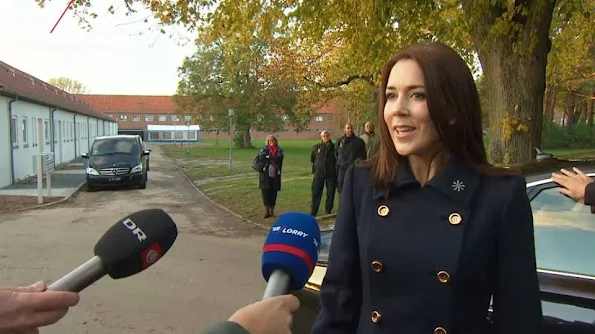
172, 133
69, 125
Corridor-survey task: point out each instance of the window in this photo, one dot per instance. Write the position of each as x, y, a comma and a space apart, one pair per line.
24, 130
188, 118
135, 118
123, 117
149, 118
318, 118
46, 131
175, 118
34, 138
564, 232
162, 118
13, 131
110, 116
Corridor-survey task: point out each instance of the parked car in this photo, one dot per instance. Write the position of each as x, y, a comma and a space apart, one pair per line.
564, 246
119, 160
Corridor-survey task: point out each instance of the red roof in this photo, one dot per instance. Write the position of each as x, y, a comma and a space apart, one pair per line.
16, 83
154, 104
141, 104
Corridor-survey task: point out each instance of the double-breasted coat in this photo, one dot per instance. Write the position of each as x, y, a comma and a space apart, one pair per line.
428, 259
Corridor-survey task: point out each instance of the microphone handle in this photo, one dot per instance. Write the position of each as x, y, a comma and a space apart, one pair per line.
81, 277
277, 285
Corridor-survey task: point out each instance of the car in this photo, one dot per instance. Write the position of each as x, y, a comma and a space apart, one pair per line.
120, 160
564, 247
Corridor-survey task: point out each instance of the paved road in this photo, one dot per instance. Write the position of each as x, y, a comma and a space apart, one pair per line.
211, 270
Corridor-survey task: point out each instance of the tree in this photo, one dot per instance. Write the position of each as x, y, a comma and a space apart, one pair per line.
220, 76
509, 37
69, 85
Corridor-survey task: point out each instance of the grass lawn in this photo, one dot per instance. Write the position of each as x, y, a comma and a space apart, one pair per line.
208, 165
237, 189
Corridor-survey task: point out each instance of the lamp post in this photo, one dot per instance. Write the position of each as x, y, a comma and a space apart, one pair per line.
230, 114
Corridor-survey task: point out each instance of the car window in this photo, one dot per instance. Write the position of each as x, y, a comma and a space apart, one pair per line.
564, 233
114, 146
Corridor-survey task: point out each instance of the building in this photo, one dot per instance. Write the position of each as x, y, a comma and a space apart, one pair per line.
135, 113
32, 109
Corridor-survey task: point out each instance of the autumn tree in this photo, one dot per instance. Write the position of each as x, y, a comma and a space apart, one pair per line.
222, 76
69, 85
571, 64
510, 39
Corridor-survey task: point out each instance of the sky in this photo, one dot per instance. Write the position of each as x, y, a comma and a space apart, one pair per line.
120, 55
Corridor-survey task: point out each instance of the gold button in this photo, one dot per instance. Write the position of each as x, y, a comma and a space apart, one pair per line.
383, 210
377, 266
439, 330
455, 218
376, 317
443, 276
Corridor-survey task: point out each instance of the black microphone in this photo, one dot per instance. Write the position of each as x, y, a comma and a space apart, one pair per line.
130, 246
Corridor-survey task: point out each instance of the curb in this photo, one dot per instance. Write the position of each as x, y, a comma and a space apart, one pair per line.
75, 191
222, 207
226, 209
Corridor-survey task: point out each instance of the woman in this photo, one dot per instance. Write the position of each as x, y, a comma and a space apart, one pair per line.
427, 231
269, 179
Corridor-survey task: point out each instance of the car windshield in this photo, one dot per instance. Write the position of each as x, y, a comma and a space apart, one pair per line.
564, 233
110, 146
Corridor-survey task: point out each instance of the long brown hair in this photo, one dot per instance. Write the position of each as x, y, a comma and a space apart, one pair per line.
454, 106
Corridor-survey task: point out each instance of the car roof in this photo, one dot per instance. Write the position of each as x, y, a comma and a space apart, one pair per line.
116, 136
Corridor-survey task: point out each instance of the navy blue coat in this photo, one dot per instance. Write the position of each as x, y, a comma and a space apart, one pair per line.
428, 259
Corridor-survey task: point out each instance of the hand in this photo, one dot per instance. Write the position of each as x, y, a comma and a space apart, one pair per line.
573, 184
269, 316
23, 309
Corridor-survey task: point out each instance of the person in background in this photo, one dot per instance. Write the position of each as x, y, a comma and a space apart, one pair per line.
577, 185
269, 316
24, 309
324, 164
370, 139
349, 148
428, 233
269, 179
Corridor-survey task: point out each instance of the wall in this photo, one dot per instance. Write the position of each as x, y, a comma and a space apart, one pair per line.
68, 135
5, 159
26, 115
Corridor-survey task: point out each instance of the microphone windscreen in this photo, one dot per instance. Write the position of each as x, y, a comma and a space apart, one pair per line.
292, 246
136, 242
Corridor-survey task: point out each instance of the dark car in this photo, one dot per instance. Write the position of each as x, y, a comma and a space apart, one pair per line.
118, 160
564, 246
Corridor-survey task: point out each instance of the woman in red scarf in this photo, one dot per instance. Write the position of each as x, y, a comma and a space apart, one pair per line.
269, 178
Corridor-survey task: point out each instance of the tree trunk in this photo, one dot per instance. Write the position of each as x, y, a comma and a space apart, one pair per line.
247, 138
590, 107
550, 103
570, 109
514, 69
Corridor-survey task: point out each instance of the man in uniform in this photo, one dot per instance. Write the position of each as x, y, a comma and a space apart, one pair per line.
324, 163
348, 150
371, 139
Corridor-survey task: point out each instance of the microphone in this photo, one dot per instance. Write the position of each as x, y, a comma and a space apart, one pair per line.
130, 246
290, 253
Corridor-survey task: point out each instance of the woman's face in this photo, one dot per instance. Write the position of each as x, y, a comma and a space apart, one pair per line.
272, 142
406, 112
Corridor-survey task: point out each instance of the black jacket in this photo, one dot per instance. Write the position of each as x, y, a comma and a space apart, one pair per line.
323, 159
348, 150
264, 157
428, 259
225, 327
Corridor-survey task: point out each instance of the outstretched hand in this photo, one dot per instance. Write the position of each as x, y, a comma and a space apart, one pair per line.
24, 309
573, 184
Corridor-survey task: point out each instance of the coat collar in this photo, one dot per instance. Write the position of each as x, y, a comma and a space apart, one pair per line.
456, 181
